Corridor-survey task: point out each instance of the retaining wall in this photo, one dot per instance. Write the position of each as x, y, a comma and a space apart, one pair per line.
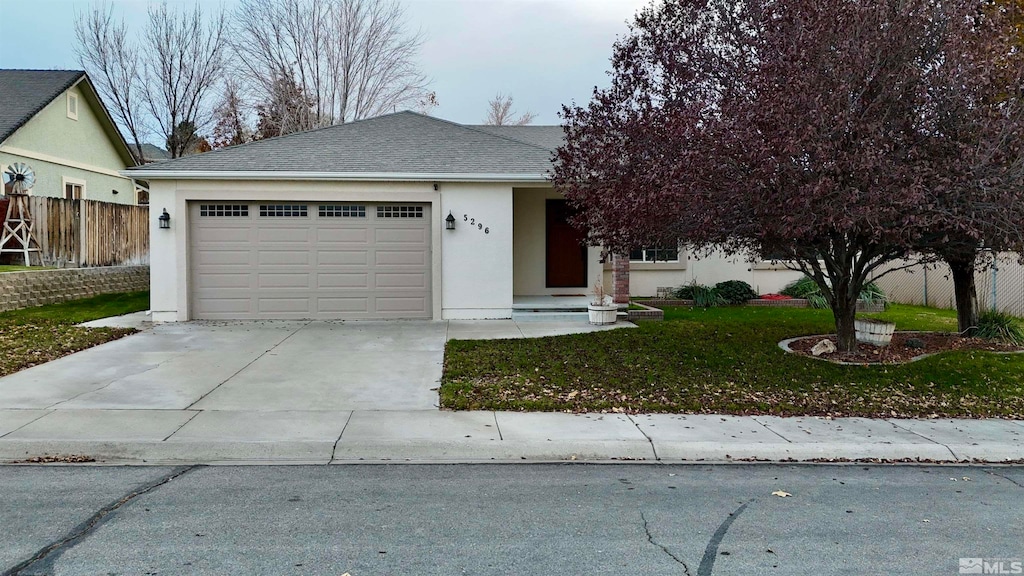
38, 287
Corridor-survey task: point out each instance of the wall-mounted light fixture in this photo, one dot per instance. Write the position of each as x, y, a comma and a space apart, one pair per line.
436, 187
449, 222
165, 220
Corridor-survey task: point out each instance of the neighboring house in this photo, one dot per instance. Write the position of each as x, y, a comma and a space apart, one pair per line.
54, 121
153, 153
352, 222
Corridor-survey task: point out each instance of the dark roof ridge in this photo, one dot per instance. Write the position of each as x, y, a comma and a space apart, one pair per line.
478, 131
304, 133
152, 165
42, 70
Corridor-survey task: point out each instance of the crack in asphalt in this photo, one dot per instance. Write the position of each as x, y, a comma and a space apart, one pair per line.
650, 538
1007, 478
42, 561
707, 562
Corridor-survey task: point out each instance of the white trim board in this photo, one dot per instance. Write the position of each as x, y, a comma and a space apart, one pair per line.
338, 176
61, 161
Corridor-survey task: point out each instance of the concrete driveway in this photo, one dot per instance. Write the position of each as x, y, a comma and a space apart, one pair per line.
245, 366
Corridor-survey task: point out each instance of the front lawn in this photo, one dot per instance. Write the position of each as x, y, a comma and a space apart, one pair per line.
15, 268
727, 360
37, 335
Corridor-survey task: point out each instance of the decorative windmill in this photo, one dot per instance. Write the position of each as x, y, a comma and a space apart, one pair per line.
17, 236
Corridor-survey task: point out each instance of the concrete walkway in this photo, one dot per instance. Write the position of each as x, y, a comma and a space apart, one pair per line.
325, 436
333, 392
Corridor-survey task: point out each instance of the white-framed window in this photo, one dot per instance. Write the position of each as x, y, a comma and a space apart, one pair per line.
342, 211
655, 254
72, 105
284, 210
224, 210
399, 211
74, 189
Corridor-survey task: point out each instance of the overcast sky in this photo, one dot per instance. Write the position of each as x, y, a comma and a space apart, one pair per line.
543, 52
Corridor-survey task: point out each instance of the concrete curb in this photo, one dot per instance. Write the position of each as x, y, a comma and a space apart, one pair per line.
489, 437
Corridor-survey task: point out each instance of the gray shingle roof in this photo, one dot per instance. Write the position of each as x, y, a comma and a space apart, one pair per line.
547, 136
403, 142
153, 153
23, 93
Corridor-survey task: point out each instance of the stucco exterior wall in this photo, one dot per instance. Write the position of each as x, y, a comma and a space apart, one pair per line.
58, 147
476, 267
764, 277
471, 272
529, 255
50, 180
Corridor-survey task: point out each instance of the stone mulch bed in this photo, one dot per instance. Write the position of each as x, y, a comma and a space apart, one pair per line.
922, 344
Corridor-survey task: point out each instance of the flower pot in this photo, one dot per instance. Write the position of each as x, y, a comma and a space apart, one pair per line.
601, 314
877, 332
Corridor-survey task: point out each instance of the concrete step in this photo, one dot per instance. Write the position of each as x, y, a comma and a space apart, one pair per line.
550, 316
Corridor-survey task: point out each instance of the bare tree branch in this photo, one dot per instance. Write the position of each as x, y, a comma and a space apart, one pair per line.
111, 60
500, 113
184, 66
351, 59
162, 80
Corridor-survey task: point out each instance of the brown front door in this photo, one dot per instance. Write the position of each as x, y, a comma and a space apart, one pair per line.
566, 249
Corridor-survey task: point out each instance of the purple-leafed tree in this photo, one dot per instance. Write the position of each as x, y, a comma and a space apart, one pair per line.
973, 120
788, 130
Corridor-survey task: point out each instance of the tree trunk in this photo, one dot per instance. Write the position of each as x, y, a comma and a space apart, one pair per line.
844, 311
966, 294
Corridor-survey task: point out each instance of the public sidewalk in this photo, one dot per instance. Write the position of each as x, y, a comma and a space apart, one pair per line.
272, 392
289, 437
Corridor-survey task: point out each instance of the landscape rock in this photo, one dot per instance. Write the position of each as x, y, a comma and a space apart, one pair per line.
823, 347
915, 343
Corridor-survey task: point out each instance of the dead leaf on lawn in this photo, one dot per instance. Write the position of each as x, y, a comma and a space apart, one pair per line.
781, 494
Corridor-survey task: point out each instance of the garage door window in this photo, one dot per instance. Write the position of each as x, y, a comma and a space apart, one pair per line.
399, 211
342, 211
222, 210
284, 210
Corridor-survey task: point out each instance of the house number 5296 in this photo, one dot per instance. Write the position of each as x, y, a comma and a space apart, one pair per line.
473, 222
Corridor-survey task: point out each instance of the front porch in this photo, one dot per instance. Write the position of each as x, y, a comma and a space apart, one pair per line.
554, 273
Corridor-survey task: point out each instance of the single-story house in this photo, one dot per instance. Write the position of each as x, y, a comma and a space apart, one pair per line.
399, 216
54, 121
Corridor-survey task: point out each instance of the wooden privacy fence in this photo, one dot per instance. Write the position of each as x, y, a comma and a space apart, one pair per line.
89, 232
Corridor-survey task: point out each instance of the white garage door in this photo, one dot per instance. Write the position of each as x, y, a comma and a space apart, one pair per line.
343, 260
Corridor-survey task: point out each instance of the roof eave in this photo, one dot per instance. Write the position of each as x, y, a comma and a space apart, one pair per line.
335, 176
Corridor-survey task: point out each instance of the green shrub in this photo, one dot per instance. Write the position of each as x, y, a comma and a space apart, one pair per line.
685, 292
1000, 327
706, 297
735, 291
872, 293
808, 289
702, 296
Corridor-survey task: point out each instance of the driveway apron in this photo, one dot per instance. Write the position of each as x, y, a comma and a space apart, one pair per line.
250, 366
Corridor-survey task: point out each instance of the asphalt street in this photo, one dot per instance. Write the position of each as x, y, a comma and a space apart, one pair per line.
507, 519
